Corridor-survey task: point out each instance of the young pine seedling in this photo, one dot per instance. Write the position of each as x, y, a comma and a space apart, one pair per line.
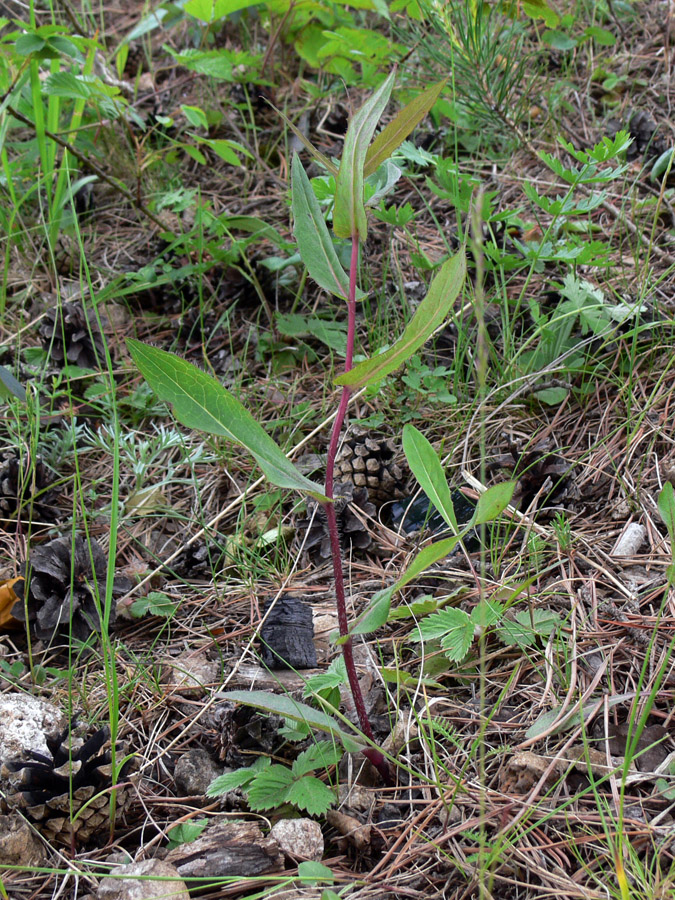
200, 401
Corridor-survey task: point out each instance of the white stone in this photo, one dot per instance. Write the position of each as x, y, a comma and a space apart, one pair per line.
191, 673
630, 540
136, 882
25, 724
299, 838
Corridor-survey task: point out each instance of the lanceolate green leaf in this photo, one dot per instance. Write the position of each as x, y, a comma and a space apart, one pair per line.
201, 402
666, 505
493, 501
425, 558
349, 213
285, 706
426, 467
314, 241
400, 127
9, 386
429, 315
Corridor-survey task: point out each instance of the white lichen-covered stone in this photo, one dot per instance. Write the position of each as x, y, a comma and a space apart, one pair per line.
190, 673
25, 724
299, 838
144, 880
630, 541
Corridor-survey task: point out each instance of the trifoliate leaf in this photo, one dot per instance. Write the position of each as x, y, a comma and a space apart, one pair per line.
310, 795
457, 640
239, 778
270, 788
319, 756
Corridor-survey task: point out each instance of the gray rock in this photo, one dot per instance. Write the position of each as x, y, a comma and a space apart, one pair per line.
299, 838
190, 673
137, 882
19, 845
25, 724
194, 772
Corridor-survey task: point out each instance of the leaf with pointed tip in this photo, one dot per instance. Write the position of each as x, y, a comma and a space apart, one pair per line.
400, 127
425, 558
666, 505
349, 212
493, 501
317, 154
9, 386
314, 241
286, 706
429, 315
426, 467
201, 402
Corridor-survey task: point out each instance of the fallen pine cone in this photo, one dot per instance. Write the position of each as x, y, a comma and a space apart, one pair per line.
67, 795
66, 583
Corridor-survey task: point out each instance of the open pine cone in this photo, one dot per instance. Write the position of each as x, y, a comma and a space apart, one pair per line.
72, 337
354, 534
24, 491
367, 459
67, 795
64, 578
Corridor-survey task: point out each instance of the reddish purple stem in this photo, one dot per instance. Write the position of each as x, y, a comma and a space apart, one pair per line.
374, 755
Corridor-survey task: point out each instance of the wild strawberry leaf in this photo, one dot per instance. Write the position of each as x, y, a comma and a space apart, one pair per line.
310, 795
269, 789
459, 635
321, 755
237, 779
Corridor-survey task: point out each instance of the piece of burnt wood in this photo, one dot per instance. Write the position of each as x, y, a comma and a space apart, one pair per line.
228, 849
287, 636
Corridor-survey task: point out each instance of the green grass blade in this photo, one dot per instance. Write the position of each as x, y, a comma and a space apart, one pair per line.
201, 402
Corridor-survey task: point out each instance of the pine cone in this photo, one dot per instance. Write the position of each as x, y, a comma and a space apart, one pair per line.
367, 459
24, 491
72, 337
63, 578
540, 475
193, 562
55, 792
353, 533
642, 128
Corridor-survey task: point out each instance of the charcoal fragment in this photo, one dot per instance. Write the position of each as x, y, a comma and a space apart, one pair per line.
287, 636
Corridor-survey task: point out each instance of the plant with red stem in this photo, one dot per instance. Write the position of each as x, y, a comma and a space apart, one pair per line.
200, 401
